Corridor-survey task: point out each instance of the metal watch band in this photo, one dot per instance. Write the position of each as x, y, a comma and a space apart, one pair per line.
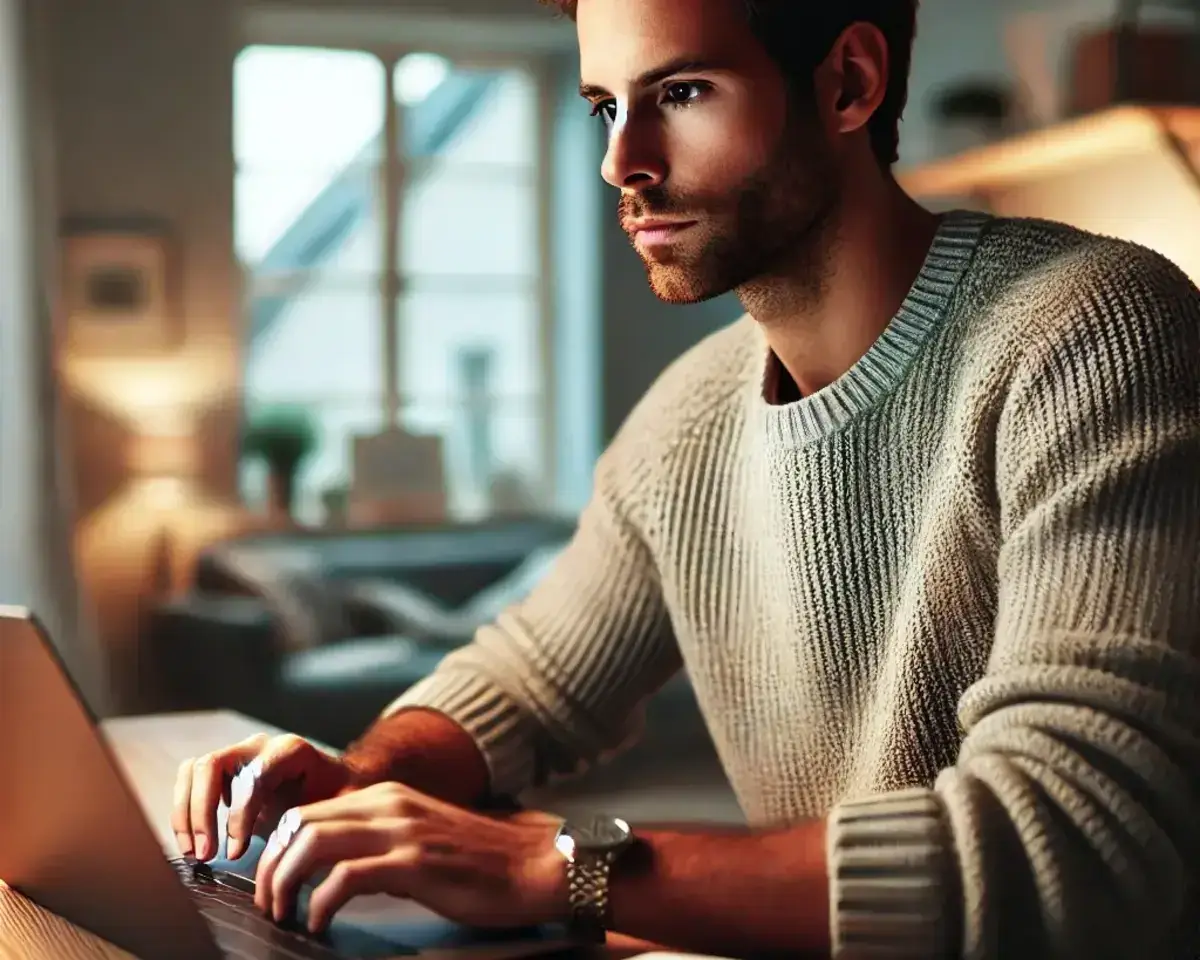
587, 891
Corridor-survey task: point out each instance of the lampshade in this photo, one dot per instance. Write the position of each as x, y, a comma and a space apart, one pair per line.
163, 455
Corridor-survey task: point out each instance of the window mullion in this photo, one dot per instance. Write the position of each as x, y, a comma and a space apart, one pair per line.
547, 338
392, 287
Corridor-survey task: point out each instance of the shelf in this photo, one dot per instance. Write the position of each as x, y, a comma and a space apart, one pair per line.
1064, 148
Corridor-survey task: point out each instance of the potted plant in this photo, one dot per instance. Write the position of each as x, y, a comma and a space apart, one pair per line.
283, 437
336, 500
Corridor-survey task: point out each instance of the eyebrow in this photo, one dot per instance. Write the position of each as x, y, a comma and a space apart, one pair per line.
591, 91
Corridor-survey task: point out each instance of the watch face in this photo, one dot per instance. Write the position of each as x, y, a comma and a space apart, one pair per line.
600, 833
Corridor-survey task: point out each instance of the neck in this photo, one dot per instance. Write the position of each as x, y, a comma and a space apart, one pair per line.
819, 327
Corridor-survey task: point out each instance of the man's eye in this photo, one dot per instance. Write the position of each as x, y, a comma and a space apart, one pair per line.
606, 110
682, 93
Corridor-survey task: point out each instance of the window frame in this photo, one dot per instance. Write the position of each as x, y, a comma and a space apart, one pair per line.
393, 169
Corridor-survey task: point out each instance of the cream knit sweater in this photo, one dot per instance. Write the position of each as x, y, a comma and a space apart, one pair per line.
951, 603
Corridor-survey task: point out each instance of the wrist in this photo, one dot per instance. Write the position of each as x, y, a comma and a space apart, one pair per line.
591, 849
548, 879
361, 771
424, 750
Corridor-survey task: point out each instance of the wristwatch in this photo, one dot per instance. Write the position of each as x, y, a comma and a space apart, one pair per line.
590, 847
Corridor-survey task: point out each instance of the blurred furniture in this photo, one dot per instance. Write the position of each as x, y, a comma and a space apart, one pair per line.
1133, 60
397, 477
149, 749
317, 631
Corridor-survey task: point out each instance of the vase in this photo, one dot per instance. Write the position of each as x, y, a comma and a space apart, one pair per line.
281, 490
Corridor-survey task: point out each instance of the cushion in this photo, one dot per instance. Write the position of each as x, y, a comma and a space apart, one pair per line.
390, 663
398, 608
307, 607
412, 613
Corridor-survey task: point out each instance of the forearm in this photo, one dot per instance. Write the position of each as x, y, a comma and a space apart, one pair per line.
732, 892
425, 750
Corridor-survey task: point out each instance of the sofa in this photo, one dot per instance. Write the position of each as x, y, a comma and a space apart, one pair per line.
316, 632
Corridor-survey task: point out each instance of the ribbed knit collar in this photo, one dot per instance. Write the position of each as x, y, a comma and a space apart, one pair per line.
885, 363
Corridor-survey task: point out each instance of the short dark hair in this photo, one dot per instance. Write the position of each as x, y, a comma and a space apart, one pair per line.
799, 35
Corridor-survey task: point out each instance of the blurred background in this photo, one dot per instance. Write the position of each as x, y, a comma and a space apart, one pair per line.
316, 315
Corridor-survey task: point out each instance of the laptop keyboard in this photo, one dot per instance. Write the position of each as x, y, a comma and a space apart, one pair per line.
241, 930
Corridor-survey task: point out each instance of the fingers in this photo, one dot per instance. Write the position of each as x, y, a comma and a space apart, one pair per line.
389, 873
245, 803
208, 780
199, 785
289, 825
210, 774
289, 862
393, 840
386, 800
181, 818
378, 802
258, 782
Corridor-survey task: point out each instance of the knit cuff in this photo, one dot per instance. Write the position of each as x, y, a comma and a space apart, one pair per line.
497, 725
893, 885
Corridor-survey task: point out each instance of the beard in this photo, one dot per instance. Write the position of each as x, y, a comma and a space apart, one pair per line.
776, 219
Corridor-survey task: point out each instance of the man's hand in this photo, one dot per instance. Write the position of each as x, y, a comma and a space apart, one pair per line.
258, 779
467, 867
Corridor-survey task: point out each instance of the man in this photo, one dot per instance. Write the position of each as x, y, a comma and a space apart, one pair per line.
922, 527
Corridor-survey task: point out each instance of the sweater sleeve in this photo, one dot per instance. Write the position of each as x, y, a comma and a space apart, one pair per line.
558, 681
1069, 825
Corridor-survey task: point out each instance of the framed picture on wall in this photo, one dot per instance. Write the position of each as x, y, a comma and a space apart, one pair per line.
119, 290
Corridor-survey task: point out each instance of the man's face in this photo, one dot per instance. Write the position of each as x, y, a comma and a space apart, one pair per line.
705, 142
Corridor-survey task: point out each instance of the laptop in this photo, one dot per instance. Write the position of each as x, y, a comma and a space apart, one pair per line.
74, 839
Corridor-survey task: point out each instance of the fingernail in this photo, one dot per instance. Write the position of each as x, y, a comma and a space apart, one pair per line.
202, 847
185, 843
239, 790
233, 847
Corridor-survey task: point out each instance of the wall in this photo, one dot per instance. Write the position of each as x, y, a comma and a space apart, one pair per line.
16, 300
578, 284
141, 93
36, 508
954, 40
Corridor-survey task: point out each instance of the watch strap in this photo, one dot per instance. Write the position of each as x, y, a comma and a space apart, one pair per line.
587, 890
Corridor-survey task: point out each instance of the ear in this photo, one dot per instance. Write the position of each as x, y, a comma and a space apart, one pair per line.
854, 76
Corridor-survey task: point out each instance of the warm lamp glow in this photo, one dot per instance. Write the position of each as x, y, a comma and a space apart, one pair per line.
1064, 149
163, 455
111, 542
165, 493
141, 393
1128, 172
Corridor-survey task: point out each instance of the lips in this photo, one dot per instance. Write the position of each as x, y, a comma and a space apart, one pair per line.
633, 224
653, 232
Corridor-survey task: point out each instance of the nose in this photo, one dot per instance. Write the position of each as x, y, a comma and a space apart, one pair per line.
634, 158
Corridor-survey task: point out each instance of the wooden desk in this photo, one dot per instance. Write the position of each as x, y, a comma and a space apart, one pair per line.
150, 749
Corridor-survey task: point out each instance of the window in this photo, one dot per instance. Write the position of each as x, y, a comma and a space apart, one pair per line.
388, 225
